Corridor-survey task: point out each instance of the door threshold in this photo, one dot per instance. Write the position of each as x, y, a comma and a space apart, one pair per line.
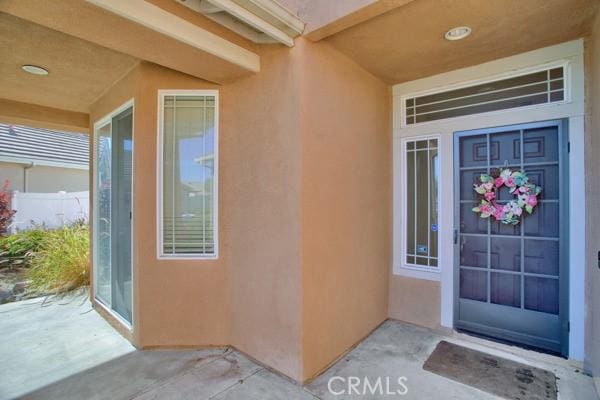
510, 343
513, 351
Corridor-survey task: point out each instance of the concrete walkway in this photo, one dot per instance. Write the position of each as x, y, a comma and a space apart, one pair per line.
65, 352
45, 340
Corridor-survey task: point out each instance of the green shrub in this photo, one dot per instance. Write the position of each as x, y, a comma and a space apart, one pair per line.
62, 261
18, 249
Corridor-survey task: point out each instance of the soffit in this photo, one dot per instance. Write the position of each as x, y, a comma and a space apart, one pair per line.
408, 42
80, 71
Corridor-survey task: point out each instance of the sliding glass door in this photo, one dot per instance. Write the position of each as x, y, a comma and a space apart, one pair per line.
113, 149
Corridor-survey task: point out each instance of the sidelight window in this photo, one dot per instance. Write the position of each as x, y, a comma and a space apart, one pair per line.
421, 190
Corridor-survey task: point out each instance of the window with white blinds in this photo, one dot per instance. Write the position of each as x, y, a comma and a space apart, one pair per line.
188, 174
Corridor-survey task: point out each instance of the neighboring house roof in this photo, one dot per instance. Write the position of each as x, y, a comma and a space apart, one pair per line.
21, 144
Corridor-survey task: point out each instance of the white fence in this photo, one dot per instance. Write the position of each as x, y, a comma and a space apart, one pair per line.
51, 210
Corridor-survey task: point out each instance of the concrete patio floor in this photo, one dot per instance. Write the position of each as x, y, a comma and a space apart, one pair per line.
66, 351
45, 340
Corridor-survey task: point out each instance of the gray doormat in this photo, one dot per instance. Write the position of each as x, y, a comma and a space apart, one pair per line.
495, 375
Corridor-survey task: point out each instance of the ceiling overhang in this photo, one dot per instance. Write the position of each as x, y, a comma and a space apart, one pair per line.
156, 31
369, 11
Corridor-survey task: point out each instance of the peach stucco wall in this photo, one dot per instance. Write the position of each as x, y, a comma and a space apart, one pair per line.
189, 303
416, 301
259, 124
592, 335
304, 212
346, 202
177, 302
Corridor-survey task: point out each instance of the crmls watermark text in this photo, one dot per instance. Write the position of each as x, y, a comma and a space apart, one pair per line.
382, 385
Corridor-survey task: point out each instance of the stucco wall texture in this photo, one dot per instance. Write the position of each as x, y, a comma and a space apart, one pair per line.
592, 344
346, 203
415, 300
304, 203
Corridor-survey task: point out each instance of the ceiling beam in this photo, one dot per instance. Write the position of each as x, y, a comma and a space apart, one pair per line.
253, 20
159, 20
14, 112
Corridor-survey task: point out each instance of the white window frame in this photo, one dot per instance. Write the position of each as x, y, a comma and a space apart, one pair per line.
159, 177
403, 204
94, 181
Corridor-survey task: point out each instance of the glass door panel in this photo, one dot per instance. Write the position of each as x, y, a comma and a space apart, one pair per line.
102, 213
121, 214
113, 149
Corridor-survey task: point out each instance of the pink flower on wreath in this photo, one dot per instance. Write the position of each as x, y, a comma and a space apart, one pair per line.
523, 189
499, 214
486, 208
490, 196
532, 201
499, 182
510, 181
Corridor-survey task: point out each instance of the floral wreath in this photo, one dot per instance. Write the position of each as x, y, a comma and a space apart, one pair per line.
518, 184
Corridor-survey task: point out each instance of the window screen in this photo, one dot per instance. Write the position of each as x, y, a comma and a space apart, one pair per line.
188, 176
541, 87
422, 189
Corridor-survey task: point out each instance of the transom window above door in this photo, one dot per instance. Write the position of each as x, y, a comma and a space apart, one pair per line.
421, 203
541, 86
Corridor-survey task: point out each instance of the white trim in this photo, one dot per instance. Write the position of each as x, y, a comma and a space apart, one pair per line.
99, 123
42, 163
159, 172
282, 14
115, 315
159, 20
400, 265
108, 117
254, 21
565, 64
573, 109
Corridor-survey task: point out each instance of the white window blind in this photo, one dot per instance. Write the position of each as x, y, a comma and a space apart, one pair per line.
188, 175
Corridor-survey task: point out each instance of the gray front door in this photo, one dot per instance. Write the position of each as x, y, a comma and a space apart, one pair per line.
511, 282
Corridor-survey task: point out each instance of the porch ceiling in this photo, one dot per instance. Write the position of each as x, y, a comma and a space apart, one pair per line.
408, 42
80, 71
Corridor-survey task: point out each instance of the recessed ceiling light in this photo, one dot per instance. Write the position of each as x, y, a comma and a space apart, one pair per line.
460, 32
32, 69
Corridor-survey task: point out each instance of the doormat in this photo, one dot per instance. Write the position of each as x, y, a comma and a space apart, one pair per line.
499, 376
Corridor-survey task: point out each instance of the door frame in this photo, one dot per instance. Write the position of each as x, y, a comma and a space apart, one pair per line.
573, 110
97, 124
564, 272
